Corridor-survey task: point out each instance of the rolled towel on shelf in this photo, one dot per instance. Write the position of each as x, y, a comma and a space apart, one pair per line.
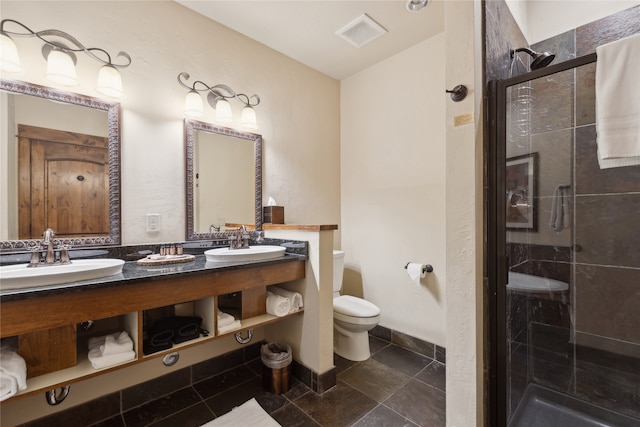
295, 297
98, 361
278, 305
123, 352
236, 324
225, 319
116, 343
13, 373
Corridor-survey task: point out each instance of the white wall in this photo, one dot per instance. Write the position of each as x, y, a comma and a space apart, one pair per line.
298, 116
542, 19
393, 187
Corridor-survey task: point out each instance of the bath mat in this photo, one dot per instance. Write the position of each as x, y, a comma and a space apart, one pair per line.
249, 413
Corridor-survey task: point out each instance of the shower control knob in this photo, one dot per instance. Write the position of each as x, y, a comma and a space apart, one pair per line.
576, 248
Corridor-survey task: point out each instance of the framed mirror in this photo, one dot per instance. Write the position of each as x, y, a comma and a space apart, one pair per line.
60, 166
223, 179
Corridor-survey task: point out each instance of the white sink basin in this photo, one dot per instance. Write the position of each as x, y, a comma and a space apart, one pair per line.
20, 276
253, 253
535, 284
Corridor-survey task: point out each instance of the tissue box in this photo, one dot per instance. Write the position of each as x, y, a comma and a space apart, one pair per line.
273, 214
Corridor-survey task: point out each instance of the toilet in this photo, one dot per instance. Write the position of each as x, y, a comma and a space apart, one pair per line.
353, 318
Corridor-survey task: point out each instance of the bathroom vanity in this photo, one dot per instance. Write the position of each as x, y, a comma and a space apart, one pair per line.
44, 320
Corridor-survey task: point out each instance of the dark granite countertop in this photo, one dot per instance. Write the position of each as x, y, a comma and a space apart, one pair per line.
132, 273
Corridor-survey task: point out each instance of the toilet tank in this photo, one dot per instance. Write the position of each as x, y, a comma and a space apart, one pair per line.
338, 270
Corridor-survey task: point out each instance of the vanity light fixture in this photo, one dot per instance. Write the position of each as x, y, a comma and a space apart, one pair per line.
416, 5
218, 97
61, 58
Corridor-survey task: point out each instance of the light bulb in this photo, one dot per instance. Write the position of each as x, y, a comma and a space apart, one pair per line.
248, 118
193, 104
9, 58
109, 82
60, 68
223, 111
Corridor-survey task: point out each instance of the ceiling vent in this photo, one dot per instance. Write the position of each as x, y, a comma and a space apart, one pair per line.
361, 31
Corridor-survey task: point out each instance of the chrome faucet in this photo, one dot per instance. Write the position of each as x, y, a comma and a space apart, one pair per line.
49, 252
48, 236
241, 239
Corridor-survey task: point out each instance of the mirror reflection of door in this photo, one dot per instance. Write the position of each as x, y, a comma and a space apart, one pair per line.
63, 183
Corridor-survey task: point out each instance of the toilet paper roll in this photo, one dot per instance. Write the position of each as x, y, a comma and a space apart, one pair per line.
416, 271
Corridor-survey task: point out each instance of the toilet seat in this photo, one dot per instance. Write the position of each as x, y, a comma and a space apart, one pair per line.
354, 307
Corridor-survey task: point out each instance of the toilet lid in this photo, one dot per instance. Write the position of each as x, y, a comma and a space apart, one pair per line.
353, 306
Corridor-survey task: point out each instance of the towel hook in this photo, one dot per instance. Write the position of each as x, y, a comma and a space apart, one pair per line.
244, 340
55, 398
458, 93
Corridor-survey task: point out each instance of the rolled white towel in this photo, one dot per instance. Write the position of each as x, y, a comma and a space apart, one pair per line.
225, 319
295, 297
278, 305
99, 361
119, 342
13, 373
236, 324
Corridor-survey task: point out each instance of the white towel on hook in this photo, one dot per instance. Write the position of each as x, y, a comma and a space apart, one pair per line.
559, 219
617, 106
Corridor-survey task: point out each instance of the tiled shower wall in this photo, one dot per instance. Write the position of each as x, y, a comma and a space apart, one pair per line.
585, 343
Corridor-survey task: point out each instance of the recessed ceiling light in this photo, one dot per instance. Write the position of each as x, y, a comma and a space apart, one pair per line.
416, 5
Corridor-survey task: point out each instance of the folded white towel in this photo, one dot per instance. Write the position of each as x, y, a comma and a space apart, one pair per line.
13, 373
617, 106
225, 319
278, 305
99, 361
294, 297
119, 342
236, 324
559, 219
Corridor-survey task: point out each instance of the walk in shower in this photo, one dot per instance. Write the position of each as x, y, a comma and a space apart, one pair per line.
564, 249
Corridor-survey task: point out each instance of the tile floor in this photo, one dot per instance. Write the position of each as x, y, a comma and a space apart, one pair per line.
395, 387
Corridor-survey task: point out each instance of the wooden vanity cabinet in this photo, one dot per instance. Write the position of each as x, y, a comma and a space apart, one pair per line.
33, 320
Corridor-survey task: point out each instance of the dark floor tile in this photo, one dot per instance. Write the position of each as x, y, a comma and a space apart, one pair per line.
99, 409
298, 388
376, 344
116, 421
375, 379
339, 407
226, 380
292, 416
217, 365
420, 403
161, 408
236, 396
414, 344
435, 374
341, 363
193, 416
381, 332
382, 416
155, 388
402, 360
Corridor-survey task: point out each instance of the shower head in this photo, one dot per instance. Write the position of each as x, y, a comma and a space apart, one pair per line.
540, 59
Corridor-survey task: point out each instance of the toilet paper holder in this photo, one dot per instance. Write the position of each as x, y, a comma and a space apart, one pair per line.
427, 268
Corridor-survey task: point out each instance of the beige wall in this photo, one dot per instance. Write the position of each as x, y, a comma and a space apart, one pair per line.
541, 19
298, 116
393, 187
